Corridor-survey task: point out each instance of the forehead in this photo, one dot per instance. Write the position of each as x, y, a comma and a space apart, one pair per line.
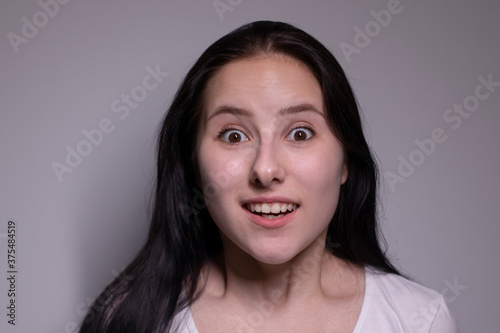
263, 82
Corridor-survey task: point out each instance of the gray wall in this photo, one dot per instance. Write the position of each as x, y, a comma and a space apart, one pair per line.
66, 72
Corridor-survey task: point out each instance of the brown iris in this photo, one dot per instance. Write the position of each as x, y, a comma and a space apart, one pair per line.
299, 135
234, 137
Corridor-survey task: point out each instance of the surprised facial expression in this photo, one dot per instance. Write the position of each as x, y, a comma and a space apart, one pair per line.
269, 165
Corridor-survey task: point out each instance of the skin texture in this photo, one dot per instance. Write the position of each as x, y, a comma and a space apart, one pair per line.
263, 135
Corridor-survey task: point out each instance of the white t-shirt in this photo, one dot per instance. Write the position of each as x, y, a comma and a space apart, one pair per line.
391, 303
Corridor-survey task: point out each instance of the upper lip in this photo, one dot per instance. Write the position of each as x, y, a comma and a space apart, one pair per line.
262, 199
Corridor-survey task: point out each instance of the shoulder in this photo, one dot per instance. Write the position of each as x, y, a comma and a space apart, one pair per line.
398, 289
397, 304
183, 322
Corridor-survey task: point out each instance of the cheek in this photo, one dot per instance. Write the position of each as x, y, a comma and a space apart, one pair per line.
221, 173
322, 171
321, 177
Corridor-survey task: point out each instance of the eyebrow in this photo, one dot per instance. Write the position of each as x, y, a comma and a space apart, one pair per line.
300, 108
285, 111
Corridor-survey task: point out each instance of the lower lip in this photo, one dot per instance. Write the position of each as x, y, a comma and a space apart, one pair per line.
277, 222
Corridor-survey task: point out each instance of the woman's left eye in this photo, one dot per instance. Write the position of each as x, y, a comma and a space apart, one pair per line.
300, 134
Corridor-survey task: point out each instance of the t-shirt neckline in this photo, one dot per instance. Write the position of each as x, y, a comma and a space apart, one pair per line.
359, 322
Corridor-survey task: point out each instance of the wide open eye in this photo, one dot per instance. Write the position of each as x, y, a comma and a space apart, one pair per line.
231, 135
300, 134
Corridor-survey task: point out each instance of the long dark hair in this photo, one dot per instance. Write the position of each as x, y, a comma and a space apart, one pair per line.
163, 278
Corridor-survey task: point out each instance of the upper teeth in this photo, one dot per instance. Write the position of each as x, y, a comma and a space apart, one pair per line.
274, 208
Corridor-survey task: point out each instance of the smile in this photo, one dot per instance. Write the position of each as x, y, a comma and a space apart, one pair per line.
271, 210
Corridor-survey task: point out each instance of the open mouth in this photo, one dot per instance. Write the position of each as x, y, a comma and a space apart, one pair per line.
271, 210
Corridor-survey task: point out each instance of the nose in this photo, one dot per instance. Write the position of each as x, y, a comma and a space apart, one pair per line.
267, 168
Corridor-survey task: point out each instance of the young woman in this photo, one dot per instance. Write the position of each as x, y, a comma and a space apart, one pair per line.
265, 206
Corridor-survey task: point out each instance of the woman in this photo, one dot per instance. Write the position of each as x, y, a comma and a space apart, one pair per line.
265, 206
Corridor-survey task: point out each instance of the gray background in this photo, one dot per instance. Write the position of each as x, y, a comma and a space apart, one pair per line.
441, 224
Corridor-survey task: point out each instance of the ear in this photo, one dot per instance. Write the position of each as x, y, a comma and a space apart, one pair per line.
344, 173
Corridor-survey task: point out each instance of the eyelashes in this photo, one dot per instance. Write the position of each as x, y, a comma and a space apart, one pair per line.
235, 136
232, 135
301, 134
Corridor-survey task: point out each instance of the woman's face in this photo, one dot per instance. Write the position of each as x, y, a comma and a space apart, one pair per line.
269, 165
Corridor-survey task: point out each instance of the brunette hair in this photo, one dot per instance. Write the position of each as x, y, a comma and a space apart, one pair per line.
163, 278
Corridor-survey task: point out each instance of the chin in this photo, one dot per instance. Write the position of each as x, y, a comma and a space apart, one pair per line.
275, 255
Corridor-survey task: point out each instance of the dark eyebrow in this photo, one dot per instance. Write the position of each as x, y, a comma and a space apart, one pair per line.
299, 108
230, 110
243, 112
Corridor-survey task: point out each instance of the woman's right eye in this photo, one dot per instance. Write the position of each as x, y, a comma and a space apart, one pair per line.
232, 135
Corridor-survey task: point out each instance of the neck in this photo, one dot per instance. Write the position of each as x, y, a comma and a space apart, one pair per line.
309, 274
